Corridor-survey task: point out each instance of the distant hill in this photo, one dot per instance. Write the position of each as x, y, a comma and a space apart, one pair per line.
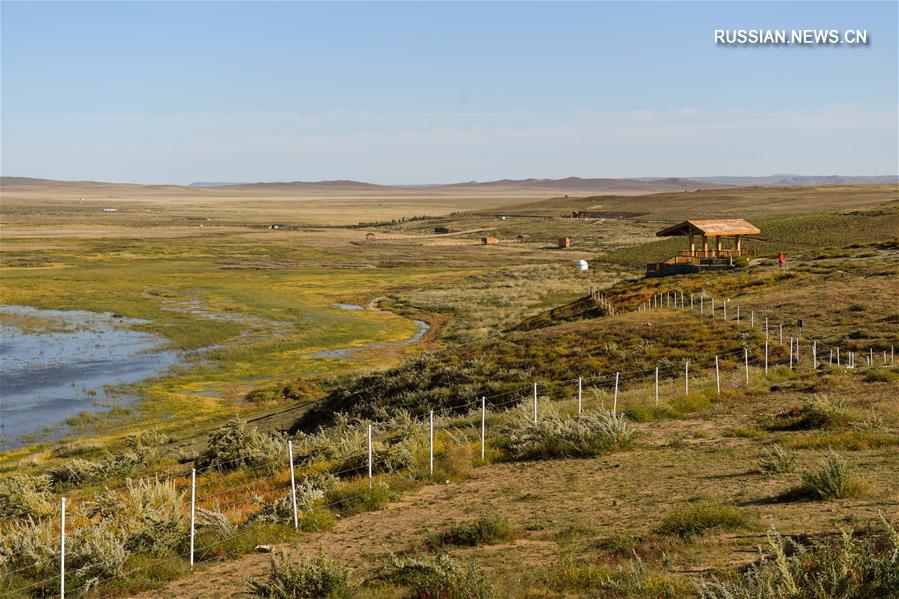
786, 179
572, 185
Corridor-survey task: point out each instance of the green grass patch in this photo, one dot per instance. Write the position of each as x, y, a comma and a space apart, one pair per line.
486, 530
695, 519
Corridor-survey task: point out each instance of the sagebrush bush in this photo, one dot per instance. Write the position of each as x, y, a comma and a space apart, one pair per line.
553, 435
487, 529
695, 519
150, 513
831, 480
319, 578
236, 445
22, 495
853, 567
310, 490
78, 471
441, 577
93, 554
777, 460
821, 411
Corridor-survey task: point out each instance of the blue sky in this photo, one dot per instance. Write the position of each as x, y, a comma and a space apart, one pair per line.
439, 92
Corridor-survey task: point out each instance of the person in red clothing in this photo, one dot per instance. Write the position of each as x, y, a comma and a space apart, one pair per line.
781, 259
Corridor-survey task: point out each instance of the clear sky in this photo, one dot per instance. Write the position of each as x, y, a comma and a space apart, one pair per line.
439, 92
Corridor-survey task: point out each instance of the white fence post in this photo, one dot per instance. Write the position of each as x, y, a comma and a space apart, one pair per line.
871, 356
702, 303
766, 328
725, 309
717, 376
713, 307
838, 355
815, 355
686, 377
483, 424
615, 401
431, 443
657, 385
766, 356
62, 548
369, 457
691, 301
752, 318
781, 332
580, 390
193, 508
293, 487
738, 313
746, 362
791, 353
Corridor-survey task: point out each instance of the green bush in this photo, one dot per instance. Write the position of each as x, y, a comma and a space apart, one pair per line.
236, 445
440, 578
24, 495
149, 514
850, 568
832, 480
695, 519
552, 436
485, 530
320, 578
821, 411
777, 460
356, 498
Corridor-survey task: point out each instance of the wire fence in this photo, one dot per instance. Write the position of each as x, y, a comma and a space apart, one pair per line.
653, 386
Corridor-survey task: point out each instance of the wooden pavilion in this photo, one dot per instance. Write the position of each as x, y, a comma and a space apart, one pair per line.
712, 255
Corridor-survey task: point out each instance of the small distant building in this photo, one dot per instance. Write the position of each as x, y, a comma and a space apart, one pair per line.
276, 226
711, 255
582, 265
564, 243
489, 240
369, 236
523, 238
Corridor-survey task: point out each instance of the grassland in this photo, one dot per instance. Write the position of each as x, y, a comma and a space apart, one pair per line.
692, 495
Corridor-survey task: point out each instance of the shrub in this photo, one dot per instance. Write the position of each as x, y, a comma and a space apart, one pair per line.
440, 578
485, 530
23, 495
777, 460
850, 568
386, 458
94, 553
695, 519
594, 432
320, 578
832, 480
881, 375
236, 445
149, 514
356, 498
818, 412
630, 579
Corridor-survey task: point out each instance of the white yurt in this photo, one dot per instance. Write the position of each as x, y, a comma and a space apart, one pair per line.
582, 265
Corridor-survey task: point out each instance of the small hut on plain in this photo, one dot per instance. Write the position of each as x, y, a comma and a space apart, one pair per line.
564, 242
369, 236
708, 257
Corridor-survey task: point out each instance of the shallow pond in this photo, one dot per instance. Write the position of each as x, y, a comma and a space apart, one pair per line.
62, 366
